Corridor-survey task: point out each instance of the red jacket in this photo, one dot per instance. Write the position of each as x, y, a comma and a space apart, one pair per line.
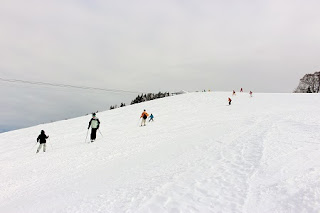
144, 113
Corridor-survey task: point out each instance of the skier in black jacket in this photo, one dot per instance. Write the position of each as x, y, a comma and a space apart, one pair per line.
94, 123
42, 139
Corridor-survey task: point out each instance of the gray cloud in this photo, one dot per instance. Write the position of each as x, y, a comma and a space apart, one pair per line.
266, 46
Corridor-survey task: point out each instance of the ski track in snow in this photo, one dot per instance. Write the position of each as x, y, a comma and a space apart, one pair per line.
199, 155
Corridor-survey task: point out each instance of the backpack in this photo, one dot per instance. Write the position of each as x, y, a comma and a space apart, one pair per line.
94, 123
145, 116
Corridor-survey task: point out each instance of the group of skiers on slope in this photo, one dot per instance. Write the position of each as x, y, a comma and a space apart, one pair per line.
234, 93
94, 123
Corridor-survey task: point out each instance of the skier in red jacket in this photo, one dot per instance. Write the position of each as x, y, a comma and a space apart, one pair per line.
144, 117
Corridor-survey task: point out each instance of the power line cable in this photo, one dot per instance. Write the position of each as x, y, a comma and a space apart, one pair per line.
65, 85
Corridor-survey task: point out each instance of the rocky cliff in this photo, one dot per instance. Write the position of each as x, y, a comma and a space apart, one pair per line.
310, 83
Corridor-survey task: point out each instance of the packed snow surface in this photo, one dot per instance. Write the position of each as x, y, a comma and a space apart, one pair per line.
261, 154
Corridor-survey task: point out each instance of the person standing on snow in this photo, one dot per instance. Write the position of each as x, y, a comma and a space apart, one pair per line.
229, 99
241, 90
233, 92
42, 140
94, 123
151, 117
250, 93
144, 117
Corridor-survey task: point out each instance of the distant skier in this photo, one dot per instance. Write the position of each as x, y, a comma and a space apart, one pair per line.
234, 92
229, 99
241, 90
42, 140
151, 117
144, 117
250, 93
94, 123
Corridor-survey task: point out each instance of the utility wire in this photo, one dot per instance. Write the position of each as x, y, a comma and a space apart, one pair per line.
65, 86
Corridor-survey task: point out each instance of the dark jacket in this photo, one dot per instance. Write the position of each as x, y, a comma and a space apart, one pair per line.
94, 123
42, 138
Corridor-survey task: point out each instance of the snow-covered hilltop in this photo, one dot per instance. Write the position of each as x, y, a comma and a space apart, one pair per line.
310, 83
260, 154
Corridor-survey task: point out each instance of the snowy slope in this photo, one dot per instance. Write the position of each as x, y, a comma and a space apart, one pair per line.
260, 154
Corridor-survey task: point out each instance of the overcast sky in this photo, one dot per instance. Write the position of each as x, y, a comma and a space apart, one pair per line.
147, 46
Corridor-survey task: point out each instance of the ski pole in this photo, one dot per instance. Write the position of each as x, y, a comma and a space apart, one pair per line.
50, 143
34, 145
86, 136
100, 132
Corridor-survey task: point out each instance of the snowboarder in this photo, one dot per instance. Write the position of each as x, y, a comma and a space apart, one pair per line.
241, 90
42, 140
250, 93
144, 117
94, 123
151, 117
229, 99
234, 92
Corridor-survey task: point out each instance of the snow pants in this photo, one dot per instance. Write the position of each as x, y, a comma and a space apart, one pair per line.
93, 133
40, 146
143, 121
